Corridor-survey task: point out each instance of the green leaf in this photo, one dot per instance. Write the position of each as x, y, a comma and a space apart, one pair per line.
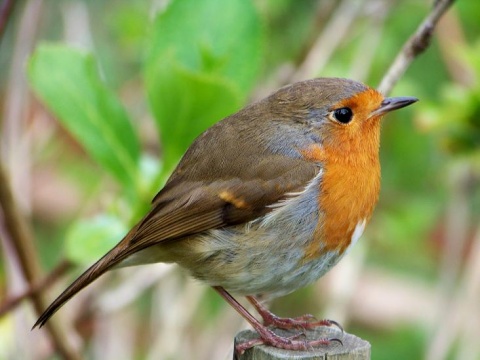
88, 240
210, 36
67, 81
200, 67
186, 104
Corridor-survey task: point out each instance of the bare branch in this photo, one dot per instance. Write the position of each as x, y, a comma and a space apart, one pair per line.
415, 45
12, 303
20, 234
450, 34
6, 9
328, 41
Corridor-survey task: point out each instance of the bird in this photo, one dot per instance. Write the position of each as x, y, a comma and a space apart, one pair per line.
265, 201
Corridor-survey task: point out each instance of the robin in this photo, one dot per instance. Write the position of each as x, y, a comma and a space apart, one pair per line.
266, 201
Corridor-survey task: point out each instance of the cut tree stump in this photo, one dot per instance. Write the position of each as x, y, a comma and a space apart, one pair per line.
353, 347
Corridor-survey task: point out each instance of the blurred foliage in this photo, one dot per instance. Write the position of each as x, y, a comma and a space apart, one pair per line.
457, 122
392, 345
89, 237
195, 74
68, 82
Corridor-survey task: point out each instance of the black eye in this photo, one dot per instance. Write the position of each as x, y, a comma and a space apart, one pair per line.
344, 115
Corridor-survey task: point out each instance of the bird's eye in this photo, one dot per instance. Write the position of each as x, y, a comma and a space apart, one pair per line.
344, 115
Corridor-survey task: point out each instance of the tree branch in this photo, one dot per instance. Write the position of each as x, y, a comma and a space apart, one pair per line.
12, 303
6, 9
414, 46
21, 237
330, 38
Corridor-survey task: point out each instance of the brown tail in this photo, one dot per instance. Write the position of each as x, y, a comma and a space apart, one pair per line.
107, 262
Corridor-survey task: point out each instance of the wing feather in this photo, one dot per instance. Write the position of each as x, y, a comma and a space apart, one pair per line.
220, 204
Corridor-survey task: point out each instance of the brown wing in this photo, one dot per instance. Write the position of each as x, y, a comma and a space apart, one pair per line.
190, 207
229, 175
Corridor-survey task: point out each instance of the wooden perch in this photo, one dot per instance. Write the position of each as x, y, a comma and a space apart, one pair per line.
353, 347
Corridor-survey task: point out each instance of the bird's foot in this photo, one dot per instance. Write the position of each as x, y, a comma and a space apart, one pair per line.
303, 322
307, 322
268, 337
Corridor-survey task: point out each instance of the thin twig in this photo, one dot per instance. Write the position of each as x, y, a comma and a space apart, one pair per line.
451, 35
467, 303
6, 10
21, 237
414, 46
376, 14
10, 304
328, 41
459, 318
17, 229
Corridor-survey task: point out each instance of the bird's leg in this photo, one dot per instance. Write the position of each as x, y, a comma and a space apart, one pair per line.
267, 336
303, 322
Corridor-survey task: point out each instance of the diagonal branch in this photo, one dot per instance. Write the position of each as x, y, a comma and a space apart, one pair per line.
414, 46
6, 9
12, 303
21, 237
330, 38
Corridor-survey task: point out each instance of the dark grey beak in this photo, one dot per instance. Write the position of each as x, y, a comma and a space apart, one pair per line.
393, 103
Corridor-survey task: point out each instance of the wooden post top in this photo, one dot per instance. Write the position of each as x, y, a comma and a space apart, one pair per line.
353, 347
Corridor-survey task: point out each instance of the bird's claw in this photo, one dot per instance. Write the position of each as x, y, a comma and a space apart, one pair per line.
303, 322
269, 338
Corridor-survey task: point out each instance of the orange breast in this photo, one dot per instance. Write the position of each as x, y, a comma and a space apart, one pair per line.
348, 193
348, 196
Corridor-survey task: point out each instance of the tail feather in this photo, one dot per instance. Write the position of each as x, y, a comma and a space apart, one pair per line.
107, 262
91, 274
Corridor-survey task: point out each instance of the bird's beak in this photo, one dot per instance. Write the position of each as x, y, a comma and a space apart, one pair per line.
393, 103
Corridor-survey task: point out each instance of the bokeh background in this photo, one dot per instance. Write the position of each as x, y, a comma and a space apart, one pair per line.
99, 99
